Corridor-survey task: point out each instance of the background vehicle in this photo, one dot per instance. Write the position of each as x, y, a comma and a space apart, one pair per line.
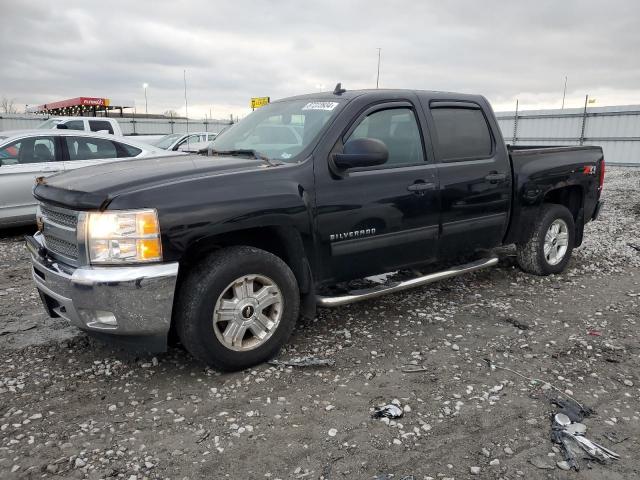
93, 124
28, 154
232, 249
185, 142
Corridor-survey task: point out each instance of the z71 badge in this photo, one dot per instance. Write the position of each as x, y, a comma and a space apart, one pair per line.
355, 234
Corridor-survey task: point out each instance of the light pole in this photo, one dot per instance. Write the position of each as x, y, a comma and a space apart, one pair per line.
378, 76
146, 110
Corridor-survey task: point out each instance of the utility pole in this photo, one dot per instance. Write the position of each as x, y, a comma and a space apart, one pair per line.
378, 76
146, 105
584, 119
515, 125
564, 92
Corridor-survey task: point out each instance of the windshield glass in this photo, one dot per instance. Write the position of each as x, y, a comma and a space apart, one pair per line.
49, 124
279, 130
166, 141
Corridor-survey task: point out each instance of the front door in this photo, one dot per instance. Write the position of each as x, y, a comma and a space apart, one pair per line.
21, 162
378, 219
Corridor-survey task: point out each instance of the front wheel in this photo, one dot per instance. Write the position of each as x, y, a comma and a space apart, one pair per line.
549, 248
237, 308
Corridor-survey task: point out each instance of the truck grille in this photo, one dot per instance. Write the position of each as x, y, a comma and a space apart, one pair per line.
60, 217
59, 233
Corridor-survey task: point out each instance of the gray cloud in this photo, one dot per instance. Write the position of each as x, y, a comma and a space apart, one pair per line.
235, 50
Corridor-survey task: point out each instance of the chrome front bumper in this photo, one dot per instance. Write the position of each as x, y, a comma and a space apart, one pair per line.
123, 301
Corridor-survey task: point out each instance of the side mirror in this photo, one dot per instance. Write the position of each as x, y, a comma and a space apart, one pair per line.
362, 152
62, 126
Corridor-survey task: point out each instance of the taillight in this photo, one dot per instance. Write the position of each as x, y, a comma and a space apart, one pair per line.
602, 170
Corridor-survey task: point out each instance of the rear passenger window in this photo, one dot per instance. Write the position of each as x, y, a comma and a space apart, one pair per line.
87, 148
100, 125
398, 130
461, 133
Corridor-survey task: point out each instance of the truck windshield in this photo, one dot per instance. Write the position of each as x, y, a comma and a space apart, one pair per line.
49, 124
280, 130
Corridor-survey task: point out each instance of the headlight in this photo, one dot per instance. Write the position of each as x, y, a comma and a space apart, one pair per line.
124, 236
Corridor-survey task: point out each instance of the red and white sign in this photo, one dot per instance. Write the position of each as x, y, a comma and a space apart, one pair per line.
76, 102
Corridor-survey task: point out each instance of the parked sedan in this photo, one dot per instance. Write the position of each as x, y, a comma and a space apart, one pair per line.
185, 142
28, 154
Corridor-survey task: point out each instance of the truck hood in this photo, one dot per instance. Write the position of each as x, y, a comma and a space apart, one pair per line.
94, 187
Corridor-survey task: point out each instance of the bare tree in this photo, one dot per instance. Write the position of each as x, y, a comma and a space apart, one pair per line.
170, 113
7, 105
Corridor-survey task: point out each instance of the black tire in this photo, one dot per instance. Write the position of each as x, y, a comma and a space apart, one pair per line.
203, 286
531, 256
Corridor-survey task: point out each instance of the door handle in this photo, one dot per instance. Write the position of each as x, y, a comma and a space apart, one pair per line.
496, 177
421, 187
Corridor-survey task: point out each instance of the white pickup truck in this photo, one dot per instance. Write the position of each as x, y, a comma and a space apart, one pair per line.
93, 124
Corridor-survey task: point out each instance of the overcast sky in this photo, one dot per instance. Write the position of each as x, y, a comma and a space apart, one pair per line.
52, 50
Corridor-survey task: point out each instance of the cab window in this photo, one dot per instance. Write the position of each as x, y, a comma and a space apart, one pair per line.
398, 129
461, 133
73, 125
100, 126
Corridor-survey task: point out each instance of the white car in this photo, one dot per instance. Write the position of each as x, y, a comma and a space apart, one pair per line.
28, 154
185, 142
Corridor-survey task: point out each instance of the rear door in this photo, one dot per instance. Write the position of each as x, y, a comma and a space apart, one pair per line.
21, 162
377, 219
81, 151
475, 177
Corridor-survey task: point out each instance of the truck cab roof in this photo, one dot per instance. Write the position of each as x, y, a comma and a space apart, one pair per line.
384, 94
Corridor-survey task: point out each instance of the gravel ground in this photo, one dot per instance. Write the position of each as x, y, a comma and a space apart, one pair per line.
71, 407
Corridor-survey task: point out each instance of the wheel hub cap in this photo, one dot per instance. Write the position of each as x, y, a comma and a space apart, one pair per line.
248, 312
556, 242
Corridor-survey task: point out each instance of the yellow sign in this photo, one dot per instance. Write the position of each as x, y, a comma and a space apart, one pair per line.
257, 102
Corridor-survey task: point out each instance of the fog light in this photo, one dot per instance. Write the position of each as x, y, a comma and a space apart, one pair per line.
98, 318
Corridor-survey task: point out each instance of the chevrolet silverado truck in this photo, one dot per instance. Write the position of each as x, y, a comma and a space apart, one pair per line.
228, 250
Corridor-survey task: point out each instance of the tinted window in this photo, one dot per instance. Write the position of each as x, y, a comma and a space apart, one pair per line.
100, 125
461, 133
28, 150
398, 130
81, 148
74, 124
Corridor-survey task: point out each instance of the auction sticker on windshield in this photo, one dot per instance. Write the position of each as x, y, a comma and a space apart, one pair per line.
320, 106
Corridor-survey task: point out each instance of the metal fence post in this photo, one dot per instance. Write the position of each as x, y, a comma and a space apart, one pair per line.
515, 125
584, 119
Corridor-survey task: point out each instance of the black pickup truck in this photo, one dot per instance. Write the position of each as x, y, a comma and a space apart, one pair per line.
228, 250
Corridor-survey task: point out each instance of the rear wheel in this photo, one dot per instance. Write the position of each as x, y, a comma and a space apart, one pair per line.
551, 244
238, 308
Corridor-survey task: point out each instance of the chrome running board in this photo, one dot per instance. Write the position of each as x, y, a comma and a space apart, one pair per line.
379, 290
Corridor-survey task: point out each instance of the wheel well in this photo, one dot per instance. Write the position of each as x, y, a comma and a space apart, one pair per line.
570, 197
284, 242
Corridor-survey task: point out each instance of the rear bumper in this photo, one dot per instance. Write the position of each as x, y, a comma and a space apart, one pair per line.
133, 302
596, 211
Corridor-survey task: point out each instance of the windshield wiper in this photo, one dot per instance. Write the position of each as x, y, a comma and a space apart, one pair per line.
245, 152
